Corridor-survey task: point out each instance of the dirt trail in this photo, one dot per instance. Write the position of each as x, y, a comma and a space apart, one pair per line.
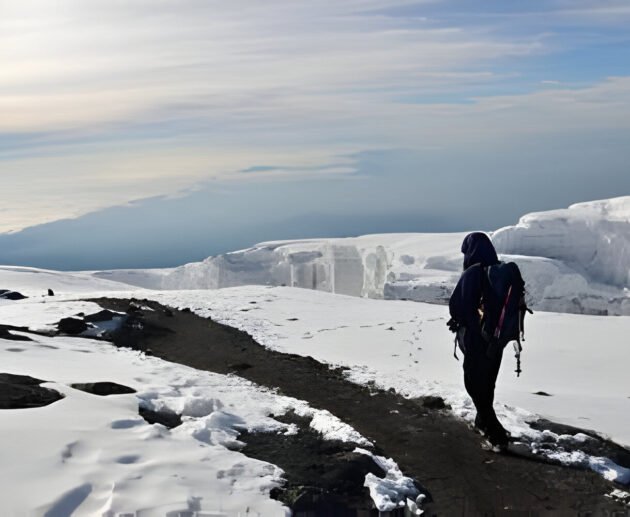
438, 450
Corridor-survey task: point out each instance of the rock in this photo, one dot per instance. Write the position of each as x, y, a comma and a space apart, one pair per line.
71, 326
166, 418
5, 334
103, 315
103, 389
11, 295
51, 292
543, 394
21, 391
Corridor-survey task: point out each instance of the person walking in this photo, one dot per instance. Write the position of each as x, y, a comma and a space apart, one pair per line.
482, 360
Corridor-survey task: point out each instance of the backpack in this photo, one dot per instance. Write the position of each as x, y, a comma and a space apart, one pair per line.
503, 308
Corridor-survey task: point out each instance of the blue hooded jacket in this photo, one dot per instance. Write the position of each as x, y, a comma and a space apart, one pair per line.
464, 303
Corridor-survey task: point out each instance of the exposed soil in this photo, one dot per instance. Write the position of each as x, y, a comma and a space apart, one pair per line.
323, 476
429, 444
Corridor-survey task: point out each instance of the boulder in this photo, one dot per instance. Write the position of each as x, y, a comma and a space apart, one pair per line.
71, 326
103, 389
22, 391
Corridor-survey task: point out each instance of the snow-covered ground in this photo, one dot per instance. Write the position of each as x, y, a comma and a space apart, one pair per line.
87, 455
99, 457
35, 282
581, 361
574, 260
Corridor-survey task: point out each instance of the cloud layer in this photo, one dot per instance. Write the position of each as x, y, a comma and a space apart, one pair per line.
104, 102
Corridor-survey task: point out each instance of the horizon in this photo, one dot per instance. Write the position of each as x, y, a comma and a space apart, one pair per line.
142, 135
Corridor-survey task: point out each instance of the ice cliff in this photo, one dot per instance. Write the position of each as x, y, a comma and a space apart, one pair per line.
573, 260
576, 259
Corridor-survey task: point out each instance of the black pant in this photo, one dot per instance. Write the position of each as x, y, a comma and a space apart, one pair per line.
480, 376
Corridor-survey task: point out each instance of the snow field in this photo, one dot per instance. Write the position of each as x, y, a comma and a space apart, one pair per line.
104, 459
406, 346
35, 282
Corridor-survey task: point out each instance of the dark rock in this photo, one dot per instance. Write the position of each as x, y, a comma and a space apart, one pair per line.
292, 319
186, 309
21, 391
103, 315
51, 292
71, 326
11, 295
543, 394
166, 418
133, 308
5, 334
103, 389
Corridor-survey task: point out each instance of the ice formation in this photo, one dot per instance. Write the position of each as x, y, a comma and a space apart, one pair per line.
573, 260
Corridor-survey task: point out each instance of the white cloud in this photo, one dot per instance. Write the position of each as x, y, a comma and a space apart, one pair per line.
72, 64
131, 99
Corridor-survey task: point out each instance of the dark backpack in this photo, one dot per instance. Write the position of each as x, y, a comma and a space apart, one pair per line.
503, 306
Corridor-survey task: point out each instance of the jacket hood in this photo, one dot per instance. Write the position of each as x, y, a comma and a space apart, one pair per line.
478, 249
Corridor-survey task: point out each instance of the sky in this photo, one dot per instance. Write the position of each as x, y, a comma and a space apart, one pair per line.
149, 133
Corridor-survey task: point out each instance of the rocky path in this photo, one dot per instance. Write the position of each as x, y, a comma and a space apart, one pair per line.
430, 445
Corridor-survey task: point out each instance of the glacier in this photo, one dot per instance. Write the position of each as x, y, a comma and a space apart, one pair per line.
574, 260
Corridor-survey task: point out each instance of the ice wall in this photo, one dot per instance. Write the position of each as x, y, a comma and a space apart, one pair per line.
573, 260
576, 259
374, 266
593, 238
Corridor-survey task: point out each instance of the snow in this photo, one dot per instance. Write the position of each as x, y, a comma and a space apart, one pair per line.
620, 495
589, 244
148, 278
99, 457
392, 491
36, 282
574, 260
406, 346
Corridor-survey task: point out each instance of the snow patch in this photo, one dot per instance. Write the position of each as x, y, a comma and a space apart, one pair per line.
392, 491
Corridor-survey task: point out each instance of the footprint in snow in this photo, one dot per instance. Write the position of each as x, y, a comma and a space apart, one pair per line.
128, 459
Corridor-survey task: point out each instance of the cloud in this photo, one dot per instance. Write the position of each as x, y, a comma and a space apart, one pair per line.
105, 102
74, 64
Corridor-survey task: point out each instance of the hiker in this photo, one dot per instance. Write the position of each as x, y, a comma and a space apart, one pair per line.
482, 353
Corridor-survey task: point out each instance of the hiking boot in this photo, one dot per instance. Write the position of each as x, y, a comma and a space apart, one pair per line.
499, 440
480, 426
